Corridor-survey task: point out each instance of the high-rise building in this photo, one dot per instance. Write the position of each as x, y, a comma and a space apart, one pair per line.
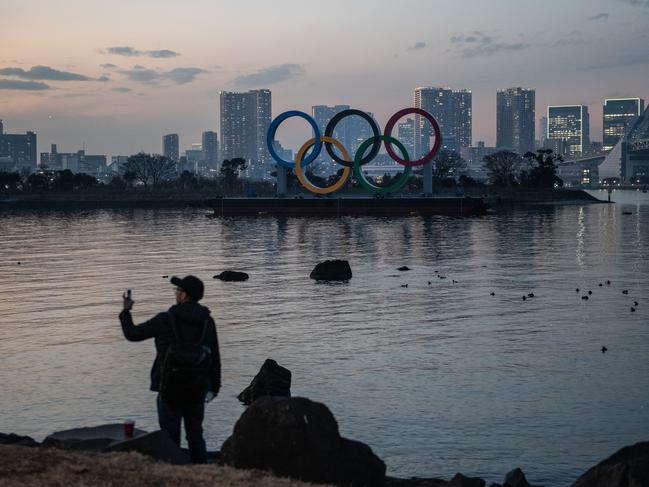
170, 147
406, 135
245, 118
568, 129
453, 111
619, 116
18, 151
516, 119
543, 135
210, 145
351, 131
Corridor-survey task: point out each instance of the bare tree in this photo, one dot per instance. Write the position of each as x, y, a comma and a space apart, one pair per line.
502, 167
448, 164
150, 169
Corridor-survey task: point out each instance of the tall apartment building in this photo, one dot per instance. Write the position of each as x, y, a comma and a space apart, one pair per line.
170, 146
516, 119
245, 118
18, 151
568, 129
351, 131
406, 135
453, 111
619, 116
210, 145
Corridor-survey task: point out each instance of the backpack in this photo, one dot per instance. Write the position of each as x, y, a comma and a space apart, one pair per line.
185, 375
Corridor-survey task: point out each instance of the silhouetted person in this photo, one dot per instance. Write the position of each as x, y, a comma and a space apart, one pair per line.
186, 332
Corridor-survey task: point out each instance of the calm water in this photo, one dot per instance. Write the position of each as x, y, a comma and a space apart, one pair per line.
436, 378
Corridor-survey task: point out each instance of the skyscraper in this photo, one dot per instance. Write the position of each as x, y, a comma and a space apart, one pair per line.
453, 111
351, 131
406, 135
245, 118
619, 116
210, 144
170, 146
515, 119
569, 125
19, 150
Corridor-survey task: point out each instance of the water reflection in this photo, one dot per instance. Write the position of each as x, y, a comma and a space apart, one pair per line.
438, 377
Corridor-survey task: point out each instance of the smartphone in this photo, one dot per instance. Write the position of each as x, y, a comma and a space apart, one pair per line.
128, 294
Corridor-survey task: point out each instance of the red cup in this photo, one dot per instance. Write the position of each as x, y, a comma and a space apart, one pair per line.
129, 428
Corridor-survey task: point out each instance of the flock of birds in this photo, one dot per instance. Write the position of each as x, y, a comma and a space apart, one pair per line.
585, 297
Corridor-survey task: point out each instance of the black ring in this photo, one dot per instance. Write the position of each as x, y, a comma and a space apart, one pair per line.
329, 130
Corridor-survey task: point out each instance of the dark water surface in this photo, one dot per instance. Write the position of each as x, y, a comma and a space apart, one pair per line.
437, 378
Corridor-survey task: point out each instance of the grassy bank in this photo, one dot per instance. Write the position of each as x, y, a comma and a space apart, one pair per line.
22, 466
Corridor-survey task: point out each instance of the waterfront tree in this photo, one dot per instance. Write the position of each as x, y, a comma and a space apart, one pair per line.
543, 169
448, 164
149, 169
230, 170
502, 167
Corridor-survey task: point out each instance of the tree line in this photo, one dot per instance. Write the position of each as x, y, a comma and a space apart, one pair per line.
153, 171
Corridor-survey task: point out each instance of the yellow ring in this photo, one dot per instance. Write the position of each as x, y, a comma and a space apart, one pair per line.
302, 178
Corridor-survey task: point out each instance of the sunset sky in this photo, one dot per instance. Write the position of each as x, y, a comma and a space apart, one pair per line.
118, 75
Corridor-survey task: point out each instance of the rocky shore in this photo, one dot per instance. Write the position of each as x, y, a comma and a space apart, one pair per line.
276, 438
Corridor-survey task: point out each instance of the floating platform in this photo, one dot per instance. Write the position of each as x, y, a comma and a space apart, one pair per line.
349, 206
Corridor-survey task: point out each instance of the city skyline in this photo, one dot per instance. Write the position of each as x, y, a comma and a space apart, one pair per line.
106, 80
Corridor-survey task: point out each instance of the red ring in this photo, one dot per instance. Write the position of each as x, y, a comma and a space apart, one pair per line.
388, 133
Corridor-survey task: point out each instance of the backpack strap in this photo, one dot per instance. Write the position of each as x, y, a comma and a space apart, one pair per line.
174, 329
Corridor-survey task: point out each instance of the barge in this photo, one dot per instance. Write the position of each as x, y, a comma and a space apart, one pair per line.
347, 206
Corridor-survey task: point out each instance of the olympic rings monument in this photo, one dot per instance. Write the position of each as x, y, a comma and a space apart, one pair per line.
378, 200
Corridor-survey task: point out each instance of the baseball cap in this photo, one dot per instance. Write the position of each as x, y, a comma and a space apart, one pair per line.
192, 285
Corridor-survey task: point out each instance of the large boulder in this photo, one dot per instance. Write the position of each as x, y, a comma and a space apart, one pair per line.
299, 438
157, 445
516, 478
271, 380
628, 467
332, 270
93, 438
232, 276
14, 439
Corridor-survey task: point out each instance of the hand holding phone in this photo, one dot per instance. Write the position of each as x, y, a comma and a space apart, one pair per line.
128, 301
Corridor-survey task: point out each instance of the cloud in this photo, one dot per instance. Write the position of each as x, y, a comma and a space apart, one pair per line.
121, 90
573, 38
179, 76
108, 66
13, 84
183, 75
270, 75
636, 3
44, 73
131, 51
621, 60
479, 44
599, 16
163, 53
417, 46
141, 74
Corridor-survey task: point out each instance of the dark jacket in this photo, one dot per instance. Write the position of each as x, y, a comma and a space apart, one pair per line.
190, 317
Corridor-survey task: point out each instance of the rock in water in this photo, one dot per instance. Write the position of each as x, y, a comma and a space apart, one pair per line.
299, 438
629, 466
332, 270
271, 380
232, 276
403, 268
516, 478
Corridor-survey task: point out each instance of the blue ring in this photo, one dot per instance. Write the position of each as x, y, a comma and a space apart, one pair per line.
272, 130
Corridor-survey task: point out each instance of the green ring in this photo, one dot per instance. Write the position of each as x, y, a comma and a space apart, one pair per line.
398, 184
